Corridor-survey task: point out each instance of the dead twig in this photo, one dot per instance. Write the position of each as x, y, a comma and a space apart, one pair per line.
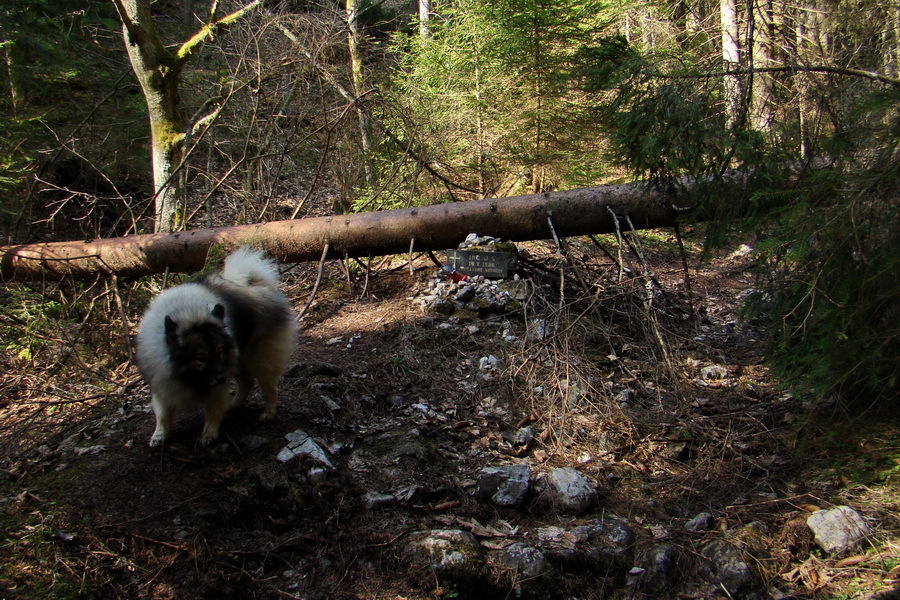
619, 238
695, 318
321, 268
563, 251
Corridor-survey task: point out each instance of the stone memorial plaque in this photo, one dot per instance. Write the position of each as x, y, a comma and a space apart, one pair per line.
493, 265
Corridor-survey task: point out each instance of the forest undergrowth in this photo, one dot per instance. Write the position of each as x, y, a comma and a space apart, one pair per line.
627, 358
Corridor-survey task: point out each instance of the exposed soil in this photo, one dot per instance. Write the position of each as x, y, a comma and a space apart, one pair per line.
398, 399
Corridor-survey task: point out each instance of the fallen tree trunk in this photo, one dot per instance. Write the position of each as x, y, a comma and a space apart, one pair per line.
437, 227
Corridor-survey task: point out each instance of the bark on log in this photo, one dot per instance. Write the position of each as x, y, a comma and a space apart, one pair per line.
437, 227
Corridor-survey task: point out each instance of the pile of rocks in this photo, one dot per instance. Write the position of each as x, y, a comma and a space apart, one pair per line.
468, 300
606, 544
473, 297
463, 556
490, 244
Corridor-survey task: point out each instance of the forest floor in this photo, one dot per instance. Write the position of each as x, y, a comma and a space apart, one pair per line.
619, 390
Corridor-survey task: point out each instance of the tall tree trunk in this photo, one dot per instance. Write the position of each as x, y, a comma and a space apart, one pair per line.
12, 76
159, 70
648, 33
479, 123
424, 18
731, 59
807, 36
354, 39
538, 170
763, 92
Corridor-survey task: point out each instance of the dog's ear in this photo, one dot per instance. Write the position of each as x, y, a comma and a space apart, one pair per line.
171, 328
218, 312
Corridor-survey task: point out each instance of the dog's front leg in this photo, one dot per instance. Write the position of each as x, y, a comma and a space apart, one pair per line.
214, 409
164, 416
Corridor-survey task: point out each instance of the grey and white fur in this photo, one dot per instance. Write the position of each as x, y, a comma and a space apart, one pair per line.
195, 336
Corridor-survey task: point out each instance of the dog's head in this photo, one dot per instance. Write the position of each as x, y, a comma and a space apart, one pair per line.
202, 353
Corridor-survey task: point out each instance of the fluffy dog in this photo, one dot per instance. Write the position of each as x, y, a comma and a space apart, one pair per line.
194, 336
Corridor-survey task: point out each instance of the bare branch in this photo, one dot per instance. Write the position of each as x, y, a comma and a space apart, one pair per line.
793, 68
210, 30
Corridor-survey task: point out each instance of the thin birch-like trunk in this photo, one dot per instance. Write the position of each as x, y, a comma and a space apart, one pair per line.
731, 59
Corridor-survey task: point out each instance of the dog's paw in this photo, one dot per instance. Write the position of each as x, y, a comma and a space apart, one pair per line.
157, 440
207, 439
266, 416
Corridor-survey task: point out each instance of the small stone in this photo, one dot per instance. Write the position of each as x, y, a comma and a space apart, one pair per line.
713, 372
506, 486
466, 293
610, 543
625, 397
330, 404
702, 522
451, 554
441, 306
518, 289
317, 475
605, 545
410, 449
734, 563
838, 529
489, 363
554, 537
300, 444
528, 562
568, 490
265, 477
376, 500
659, 568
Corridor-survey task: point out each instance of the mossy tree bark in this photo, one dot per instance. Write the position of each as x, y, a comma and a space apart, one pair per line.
158, 70
354, 42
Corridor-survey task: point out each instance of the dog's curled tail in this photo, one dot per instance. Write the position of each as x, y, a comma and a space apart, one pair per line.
248, 266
